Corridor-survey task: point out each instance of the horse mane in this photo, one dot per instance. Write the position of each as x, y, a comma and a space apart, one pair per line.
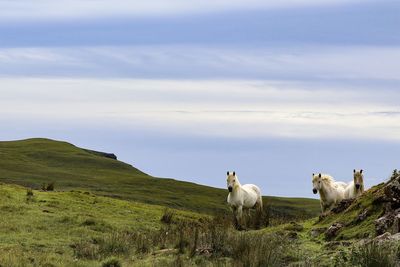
326, 178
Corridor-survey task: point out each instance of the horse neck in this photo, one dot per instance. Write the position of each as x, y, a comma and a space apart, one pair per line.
324, 191
238, 182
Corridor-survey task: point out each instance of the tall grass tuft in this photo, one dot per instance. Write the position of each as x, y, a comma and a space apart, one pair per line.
167, 216
372, 254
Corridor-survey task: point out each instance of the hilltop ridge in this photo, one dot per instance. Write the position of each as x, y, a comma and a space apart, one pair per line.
35, 161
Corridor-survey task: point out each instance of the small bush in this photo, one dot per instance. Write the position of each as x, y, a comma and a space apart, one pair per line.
372, 254
85, 250
167, 216
29, 194
89, 222
48, 187
114, 243
112, 262
255, 250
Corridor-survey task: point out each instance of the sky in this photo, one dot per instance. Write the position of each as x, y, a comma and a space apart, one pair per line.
274, 90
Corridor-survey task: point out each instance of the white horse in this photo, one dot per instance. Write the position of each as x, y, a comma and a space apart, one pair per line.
355, 187
242, 196
330, 191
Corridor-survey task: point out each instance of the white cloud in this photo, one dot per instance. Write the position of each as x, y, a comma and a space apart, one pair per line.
197, 62
208, 108
56, 9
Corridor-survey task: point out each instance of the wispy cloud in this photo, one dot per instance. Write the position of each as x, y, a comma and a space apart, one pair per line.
207, 108
50, 9
198, 62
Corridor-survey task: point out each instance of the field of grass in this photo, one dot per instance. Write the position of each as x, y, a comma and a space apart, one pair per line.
65, 228
33, 162
99, 217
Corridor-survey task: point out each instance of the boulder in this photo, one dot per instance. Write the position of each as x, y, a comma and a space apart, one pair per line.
333, 230
362, 216
342, 205
384, 224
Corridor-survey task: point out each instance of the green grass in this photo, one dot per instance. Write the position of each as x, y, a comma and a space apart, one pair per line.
33, 162
44, 228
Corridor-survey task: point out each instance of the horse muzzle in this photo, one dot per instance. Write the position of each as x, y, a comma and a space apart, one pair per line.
358, 186
230, 188
315, 191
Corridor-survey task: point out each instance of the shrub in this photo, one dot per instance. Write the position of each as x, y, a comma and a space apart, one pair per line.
112, 262
89, 222
167, 216
255, 250
48, 187
114, 243
372, 254
85, 250
29, 194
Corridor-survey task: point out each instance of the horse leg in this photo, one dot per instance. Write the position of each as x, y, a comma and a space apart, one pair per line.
235, 220
239, 216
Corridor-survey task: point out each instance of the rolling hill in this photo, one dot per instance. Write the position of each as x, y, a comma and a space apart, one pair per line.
33, 162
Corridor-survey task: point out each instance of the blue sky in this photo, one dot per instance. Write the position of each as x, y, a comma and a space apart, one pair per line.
274, 90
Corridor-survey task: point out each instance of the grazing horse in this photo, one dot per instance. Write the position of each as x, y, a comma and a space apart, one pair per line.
355, 187
242, 196
330, 191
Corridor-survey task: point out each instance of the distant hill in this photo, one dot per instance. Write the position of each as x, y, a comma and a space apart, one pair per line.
33, 162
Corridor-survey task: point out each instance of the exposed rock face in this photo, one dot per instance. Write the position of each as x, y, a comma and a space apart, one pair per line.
384, 224
342, 205
362, 216
102, 154
390, 219
333, 230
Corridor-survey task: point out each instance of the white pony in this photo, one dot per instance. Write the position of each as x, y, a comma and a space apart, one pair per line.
242, 196
330, 191
355, 187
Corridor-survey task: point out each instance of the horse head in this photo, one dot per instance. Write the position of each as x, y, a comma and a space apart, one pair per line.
231, 181
317, 182
358, 177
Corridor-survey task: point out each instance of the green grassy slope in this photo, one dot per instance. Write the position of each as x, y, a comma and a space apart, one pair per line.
46, 228
35, 161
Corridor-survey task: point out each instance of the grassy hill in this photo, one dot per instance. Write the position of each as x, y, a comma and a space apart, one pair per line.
60, 228
33, 162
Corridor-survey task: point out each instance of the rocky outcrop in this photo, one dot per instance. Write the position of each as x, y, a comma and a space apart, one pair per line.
102, 154
342, 205
333, 230
389, 221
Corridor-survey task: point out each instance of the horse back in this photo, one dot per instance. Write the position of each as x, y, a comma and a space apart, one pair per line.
251, 188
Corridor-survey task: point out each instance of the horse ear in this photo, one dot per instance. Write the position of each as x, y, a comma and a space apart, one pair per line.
227, 173
320, 175
361, 171
234, 174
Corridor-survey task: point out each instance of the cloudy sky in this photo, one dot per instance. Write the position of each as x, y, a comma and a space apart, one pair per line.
274, 90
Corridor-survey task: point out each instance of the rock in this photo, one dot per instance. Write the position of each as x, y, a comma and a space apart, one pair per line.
342, 205
395, 237
362, 216
333, 230
384, 223
383, 237
317, 231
